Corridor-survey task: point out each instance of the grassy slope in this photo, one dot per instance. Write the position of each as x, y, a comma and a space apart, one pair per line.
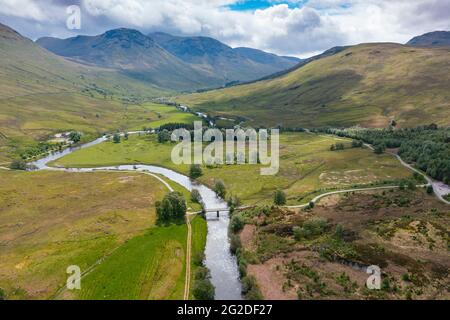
366, 84
306, 165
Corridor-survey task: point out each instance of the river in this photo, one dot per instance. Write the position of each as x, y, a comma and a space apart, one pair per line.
218, 258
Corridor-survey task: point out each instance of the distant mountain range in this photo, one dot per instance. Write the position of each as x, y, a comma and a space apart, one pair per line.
220, 60
432, 39
179, 63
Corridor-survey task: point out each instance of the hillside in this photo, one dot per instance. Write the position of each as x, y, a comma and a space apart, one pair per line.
368, 84
133, 54
222, 61
41, 93
432, 39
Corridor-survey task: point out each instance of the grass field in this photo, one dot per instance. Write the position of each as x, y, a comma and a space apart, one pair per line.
147, 267
368, 84
306, 166
50, 220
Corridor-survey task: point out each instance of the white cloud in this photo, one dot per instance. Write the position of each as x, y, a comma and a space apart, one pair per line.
315, 26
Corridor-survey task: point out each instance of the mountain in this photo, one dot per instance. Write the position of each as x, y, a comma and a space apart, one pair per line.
42, 93
216, 58
135, 55
432, 39
368, 85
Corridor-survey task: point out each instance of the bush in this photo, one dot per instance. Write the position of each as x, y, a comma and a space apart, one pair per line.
18, 165
195, 171
75, 137
220, 189
195, 196
250, 288
203, 288
116, 138
237, 223
279, 198
164, 136
235, 243
311, 228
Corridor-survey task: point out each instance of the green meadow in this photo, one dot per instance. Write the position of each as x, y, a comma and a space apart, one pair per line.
307, 166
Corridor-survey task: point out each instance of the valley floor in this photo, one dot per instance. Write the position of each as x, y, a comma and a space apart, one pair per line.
307, 167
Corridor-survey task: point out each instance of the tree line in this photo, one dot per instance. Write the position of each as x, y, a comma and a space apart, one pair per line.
428, 147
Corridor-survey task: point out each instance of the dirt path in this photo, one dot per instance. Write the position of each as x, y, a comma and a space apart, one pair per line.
187, 284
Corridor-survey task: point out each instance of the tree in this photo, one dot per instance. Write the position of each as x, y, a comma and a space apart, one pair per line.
357, 144
195, 196
172, 208
195, 171
430, 190
311, 205
126, 136
75, 137
2, 294
237, 223
379, 149
279, 198
164, 136
18, 165
220, 189
116, 138
203, 288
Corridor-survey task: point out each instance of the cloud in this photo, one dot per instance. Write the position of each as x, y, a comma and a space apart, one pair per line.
296, 27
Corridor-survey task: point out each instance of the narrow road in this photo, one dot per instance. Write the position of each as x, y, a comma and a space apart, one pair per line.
316, 199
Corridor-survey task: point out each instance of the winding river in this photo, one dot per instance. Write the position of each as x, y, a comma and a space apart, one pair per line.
218, 259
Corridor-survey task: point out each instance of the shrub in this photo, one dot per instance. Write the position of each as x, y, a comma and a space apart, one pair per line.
195, 196
18, 165
237, 223
75, 137
203, 289
164, 136
116, 138
279, 198
220, 189
195, 171
311, 228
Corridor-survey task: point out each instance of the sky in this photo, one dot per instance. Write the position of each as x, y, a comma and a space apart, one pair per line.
299, 28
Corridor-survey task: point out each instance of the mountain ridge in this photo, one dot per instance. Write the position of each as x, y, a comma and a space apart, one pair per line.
431, 39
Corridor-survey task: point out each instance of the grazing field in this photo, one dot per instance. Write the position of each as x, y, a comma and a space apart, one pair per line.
307, 166
50, 220
147, 267
368, 84
163, 114
323, 253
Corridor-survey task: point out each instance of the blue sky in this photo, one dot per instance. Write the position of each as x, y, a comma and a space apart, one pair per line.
300, 28
245, 5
